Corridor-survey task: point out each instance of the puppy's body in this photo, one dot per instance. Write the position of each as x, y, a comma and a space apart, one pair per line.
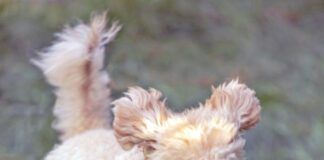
143, 128
96, 144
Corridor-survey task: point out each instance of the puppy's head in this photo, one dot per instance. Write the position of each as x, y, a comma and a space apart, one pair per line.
209, 132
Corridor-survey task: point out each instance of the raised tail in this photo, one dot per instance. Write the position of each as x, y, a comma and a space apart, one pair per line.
74, 65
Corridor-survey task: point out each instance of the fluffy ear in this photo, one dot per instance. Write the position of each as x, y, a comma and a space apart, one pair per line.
237, 103
139, 116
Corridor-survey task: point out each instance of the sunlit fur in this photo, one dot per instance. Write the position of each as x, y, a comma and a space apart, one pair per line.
73, 65
210, 132
143, 128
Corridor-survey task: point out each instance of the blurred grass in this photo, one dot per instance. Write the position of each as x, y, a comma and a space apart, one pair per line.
182, 48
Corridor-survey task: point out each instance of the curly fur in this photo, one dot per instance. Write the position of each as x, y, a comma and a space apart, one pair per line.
73, 65
209, 132
144, 128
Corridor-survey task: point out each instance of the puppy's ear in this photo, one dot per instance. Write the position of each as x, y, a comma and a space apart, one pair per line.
236, 103
139, 116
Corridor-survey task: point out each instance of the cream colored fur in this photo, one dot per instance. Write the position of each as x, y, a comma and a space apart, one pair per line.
210, 132
73, 64
143, 128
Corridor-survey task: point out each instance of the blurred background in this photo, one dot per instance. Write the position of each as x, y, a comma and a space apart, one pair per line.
182, 48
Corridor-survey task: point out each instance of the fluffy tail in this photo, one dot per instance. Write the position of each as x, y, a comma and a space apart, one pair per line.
74, 65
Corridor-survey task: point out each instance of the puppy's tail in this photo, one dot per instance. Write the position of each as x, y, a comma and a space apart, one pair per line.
73, 64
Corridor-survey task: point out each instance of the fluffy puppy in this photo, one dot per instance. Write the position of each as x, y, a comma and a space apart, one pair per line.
210, 132
143, 128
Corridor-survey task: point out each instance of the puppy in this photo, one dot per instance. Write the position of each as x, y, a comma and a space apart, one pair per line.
143, 128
